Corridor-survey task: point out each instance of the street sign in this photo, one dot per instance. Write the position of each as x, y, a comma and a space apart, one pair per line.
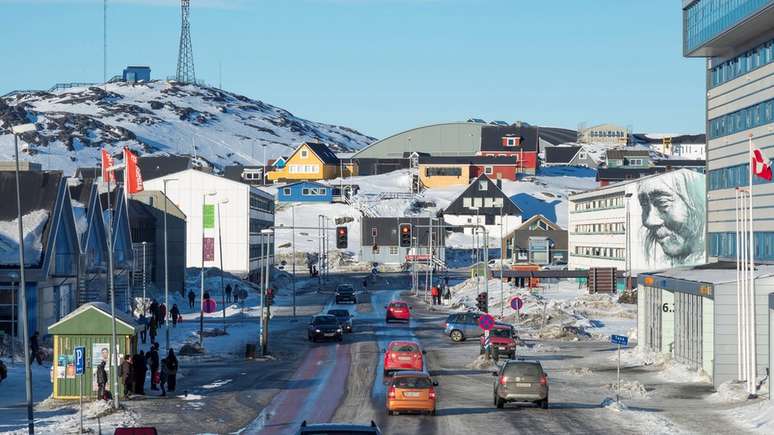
487, 341
374, 271
80, 360
284, 263
486, 322
516, 303
621, 340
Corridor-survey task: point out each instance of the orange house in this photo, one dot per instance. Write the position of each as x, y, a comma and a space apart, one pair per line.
312, 161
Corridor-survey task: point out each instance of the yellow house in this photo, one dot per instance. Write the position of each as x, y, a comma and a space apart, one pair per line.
309, 162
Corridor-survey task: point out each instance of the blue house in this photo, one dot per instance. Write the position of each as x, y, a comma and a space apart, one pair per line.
305, 191
137, 73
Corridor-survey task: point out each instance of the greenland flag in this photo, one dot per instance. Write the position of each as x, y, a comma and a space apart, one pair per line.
760, 167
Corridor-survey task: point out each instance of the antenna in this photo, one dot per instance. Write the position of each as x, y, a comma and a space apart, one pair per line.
185, 62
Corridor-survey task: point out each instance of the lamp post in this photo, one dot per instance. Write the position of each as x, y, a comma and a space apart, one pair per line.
15, 278
264, 338
293, 243
166, 262
201, 291
627, 238
220, 248
503, 252
144, 251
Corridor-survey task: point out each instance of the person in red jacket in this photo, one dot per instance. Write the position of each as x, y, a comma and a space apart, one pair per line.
436, 293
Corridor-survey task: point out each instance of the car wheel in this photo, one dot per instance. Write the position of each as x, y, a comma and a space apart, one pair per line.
499, 402
456, 336
544, 403
512, 355
432, 413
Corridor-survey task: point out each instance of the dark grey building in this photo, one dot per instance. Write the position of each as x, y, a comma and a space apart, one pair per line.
380, 241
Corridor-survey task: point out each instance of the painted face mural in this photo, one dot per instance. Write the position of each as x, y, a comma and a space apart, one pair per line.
673, 214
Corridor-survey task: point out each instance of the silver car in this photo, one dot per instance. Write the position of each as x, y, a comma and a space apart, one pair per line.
521, 381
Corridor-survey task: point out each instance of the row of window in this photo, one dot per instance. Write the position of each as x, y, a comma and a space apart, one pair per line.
255, 251
609, 133
600, 203
742, 64
593, 251
307, 191
443, 172
743, 119
393, 250
724, 245
731, 177
304, 169
261, 204
612, 227
482, 202
256, 225
706, 19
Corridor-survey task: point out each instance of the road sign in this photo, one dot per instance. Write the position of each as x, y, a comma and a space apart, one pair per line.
487, 341
80, 360
621, 340
516, 303
374, 271
486, 322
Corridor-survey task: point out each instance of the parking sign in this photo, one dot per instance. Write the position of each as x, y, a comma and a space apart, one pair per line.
80, 360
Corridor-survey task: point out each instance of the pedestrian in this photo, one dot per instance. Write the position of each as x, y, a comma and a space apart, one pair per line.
237, 293
101, 380
435, 294
228, 293
163, 377
140, 372
172, 366
191, 299
162, 313
153, 329
144, 325
127, 375
153, 364
3, 371
175, 312
447, 294
35, 349
154, 309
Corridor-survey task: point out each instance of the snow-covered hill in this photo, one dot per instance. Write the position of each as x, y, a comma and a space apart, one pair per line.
158, 117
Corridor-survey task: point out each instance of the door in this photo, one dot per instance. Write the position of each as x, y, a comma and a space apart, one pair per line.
667, 321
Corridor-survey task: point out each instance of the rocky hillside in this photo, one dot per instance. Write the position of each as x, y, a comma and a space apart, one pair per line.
158, 117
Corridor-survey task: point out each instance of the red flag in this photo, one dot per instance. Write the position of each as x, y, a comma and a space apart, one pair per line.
107, 162
760, 167
133, 178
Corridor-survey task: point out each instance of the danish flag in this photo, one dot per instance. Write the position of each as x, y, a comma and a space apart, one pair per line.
760, 167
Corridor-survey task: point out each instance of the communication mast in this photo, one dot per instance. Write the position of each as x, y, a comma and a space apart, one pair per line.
185, 62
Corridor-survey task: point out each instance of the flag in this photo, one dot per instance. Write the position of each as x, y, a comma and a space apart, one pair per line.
133, 178
107, 162
760, 167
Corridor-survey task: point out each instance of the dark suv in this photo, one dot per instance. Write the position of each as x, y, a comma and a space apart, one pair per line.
521, 381
338, 429
460, 326
345, 293
344, 318
324, 326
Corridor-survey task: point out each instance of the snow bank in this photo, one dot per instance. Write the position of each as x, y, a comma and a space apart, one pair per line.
729, 392
481, 363
630, 389
668, 369
34, 223
758, 416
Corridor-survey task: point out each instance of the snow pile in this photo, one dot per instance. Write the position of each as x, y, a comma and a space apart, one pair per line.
676, 372
33, 225
581, 371
612, 405
639, 356
758, 416
98, 416
729, 392
629, 389
481, 363
668, 369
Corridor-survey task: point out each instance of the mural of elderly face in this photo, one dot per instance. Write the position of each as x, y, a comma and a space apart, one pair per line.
673, 214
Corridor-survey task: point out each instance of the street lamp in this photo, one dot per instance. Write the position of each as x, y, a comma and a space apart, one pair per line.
166, 261
220, 247
201, 292
19, 130
265, 234
627, 238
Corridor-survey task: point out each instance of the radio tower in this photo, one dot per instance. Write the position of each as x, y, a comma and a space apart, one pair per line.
185, 62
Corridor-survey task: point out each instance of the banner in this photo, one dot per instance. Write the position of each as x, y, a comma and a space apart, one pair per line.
208, 248
209, 216
133, 178
107, 162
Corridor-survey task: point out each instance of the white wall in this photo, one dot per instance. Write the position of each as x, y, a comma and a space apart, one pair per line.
509, 222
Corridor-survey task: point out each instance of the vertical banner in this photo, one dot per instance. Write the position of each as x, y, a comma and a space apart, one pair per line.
208, 248
107, 162
133, 178
208, 220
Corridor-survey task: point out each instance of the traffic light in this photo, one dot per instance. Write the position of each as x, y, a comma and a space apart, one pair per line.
341, 237
405, 235
482, 302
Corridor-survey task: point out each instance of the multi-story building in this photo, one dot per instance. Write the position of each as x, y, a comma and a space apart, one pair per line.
380, 240
484, 203
610, 134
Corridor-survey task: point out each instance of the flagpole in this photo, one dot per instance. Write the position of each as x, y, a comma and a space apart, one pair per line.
753, 350
743, 266
111, 284
737, 198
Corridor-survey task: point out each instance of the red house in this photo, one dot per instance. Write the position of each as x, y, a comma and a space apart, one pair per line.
520, 143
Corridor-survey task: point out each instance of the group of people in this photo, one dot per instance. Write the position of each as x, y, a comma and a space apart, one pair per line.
158, 316
440, 292
134, 371
233, 295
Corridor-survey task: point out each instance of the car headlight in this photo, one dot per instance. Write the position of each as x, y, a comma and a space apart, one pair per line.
338, 330
316, 330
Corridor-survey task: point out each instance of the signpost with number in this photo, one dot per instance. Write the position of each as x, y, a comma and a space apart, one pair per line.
486, 322
80, 369
620, 340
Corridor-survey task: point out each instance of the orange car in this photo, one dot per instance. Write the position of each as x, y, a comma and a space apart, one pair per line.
411, 392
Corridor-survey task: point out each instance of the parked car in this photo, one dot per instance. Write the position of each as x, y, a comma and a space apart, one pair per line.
403, 355
503, 340
338, 428
521, 381
411, 392
460, 326
344, 318
345, 293
324, 326
397, 311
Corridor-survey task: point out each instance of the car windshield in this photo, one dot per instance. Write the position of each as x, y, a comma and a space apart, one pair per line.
412, 382
339, 313
400, 305
345, 290
523, 370
335, 432
404, 347
325, 320
502, 333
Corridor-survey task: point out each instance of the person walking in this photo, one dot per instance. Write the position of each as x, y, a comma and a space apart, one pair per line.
191, 299
127, 375
153, 329
172, 367
140, 371
35, 348
162, 313
163, 377
228, 293
154, 309
102, 379
447, 294
153, 364
143, 321
436, 295
175, 312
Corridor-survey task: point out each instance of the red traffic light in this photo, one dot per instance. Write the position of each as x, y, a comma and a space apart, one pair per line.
342, 231
404, 229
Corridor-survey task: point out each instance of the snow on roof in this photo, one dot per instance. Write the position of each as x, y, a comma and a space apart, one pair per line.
708, 274
125, 318
34, 223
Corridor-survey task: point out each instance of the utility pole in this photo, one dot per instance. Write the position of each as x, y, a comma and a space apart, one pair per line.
166, 261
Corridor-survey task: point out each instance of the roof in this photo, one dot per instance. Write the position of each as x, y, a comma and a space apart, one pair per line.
158, 166
534, 218
556, 135
234, 172
620, 153
642, 138
675, 163
562, 154
323, 152
492, 135
467, 160
613, 188
492, 191
304, 183
712, 273
620, 174
555, 233
96, 325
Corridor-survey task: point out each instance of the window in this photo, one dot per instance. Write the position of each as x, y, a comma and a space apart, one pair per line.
582, 155
731, 177
743, 119
323, 191
742, 64
467, 202
483, 185
478, 202
287, 191
443, 172
305, 191
293, 169
304, 154
488, 202
635, 162
488, 170
489, 219
498, 202
393, 250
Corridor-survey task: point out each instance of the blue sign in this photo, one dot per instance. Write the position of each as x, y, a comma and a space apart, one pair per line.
80, 360
517, 303
619, 339
486, 322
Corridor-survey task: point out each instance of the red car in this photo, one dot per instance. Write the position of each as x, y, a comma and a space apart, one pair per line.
397, 310
503, 340
403, 355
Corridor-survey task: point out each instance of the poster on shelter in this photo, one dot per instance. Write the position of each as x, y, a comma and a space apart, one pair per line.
100, 352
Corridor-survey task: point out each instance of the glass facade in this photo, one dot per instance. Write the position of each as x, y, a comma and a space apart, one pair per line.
732, 177
706, 19
723, 245
743, 119
753, 59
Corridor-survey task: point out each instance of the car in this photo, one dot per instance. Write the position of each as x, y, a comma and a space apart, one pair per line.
503, 340
344, 318
460, 326
411, 392
338, 428
403, 355
324, 326
345, 293
521, 381
397, 311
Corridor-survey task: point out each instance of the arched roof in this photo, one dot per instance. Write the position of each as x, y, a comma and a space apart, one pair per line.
450, 139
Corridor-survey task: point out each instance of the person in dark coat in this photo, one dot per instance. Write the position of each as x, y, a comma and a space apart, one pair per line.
175, 312
127, 375
154, 309
143, 321
140, 372
102, 379
153, 364
163, 377
172, 367
35, 349
153, 329
228, 293
162, 313
191, 299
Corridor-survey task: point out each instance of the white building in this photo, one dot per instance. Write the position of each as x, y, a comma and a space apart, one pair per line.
484, 203
236, 210
643, 224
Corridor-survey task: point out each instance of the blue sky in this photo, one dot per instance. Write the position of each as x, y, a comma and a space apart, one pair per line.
383, 66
